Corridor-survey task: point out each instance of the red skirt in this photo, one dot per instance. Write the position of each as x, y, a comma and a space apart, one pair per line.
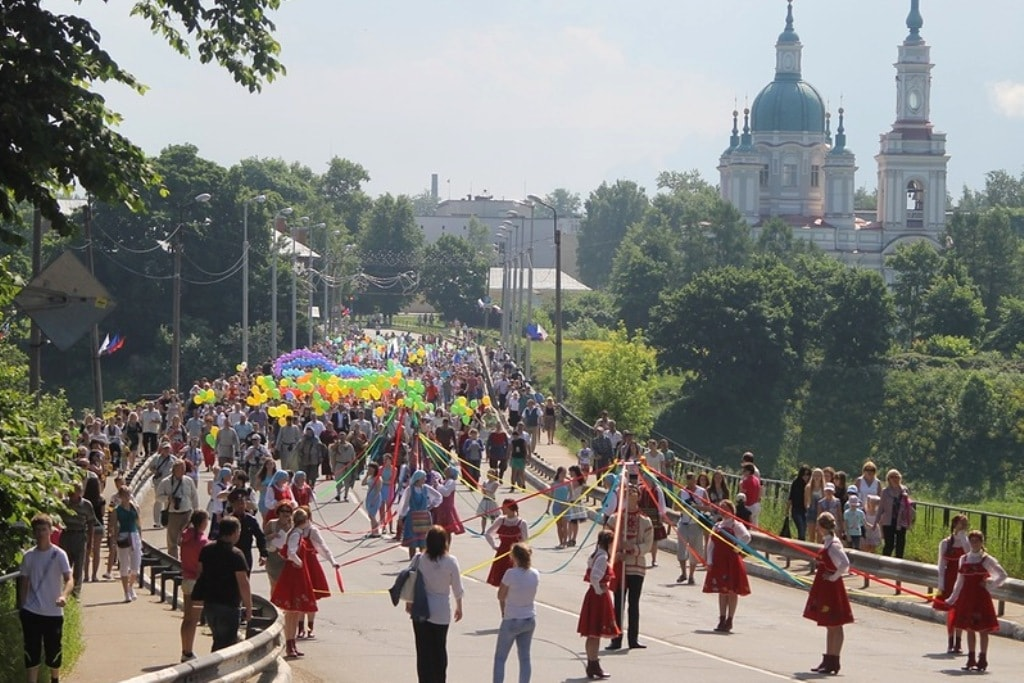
597, 616
828, 604
446, 515
498, 568
727, 574
973, 609
209, 455
293, 591
317, 578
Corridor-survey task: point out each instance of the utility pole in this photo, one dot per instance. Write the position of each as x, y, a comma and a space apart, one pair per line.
97, 369
176, 305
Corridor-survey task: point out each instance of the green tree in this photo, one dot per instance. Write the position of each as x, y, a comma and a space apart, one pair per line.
61, 132
342, 186
730, 326
610, 210
986, 245
1009, 332
915, 267
865, 199
645, 265
424, 203
454, 277
617, 376
390, 244
479, 237
856, 329
566, 203
1003, 190
953, 308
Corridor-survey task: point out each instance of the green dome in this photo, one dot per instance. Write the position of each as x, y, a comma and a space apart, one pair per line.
789, 105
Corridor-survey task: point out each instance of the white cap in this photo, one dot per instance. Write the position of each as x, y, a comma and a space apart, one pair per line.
830, 487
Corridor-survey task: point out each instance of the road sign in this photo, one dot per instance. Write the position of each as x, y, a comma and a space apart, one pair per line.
65, 300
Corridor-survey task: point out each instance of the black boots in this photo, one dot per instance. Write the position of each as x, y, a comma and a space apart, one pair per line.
724, 625
594, 670
982, 661
829, 665
979, 664
957, 647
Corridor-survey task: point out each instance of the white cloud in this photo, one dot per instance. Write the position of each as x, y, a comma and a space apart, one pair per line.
1008, 98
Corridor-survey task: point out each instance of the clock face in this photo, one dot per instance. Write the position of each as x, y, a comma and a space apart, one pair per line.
788, 61
914, 100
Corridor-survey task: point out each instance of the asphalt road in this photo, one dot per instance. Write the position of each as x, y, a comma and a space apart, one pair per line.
360, 637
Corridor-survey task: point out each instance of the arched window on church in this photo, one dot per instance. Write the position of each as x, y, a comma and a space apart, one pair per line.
915, 204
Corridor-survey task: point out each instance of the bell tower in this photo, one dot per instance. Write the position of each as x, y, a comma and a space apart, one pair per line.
912, 160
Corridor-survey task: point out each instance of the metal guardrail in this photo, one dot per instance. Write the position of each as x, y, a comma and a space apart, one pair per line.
256, 657
1007, 531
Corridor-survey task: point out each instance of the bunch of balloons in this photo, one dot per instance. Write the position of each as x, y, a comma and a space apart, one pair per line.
464, 409
206, 396
281, 412
211, 437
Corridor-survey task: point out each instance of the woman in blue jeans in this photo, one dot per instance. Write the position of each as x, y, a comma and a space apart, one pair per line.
516, 594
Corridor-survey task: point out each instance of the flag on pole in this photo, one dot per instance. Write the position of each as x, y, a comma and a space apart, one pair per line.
105, 346
536, 332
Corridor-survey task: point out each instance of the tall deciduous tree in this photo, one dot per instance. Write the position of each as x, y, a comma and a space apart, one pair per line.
453, 277
61, 132
646, 264
391, 244
953, 307
342, 187
610, 210
856, 329
915, 266
566, 203
987, 246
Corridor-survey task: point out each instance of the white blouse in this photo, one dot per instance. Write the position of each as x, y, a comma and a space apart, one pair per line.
730, 526
997, 575
598, 565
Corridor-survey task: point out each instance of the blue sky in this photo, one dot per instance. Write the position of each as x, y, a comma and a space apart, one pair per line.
524, 96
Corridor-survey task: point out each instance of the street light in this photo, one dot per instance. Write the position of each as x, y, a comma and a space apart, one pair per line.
309, 269
515, 302
506, 306
258, 199
176, 296
527, 353
558, 297
273, 281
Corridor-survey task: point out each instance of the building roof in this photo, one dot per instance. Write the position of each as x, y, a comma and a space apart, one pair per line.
543, 281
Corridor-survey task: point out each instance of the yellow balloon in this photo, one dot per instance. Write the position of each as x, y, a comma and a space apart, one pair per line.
282, 421
197, 399
215, 431
379, 412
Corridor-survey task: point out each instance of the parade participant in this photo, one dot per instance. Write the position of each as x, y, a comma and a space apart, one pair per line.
510, 529
727, 574
218, 503
46, 583
414, 510
79, 522
287, 442
389, 484
223, 585
442, 578
972, 603
578, 512
179, 497
302, 492
193, 540
293, 591
310, 452
597, 615
311, 548
558, 504
690, 542
445, 514
487, 509
374, 497
652, 503
342, 456
750, 486
276, 533
827, 604
951, 549
160, 468
127, 533
497, 451
91, 493
250, 528
472, 450
278, 491
516, 597
519, 453
636, 536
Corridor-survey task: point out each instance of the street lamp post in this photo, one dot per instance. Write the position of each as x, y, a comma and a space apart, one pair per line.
273, 281
515, 282
258, 199
505, 286
176, 296
312, 287
558, 297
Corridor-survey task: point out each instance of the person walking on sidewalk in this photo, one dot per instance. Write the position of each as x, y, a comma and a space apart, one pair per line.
223, 584
597, 615
46, 583
193, 540
179, 497
516, 597
128, 536
79, 522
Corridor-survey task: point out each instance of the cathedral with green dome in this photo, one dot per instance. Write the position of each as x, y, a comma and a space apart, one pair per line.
783, 160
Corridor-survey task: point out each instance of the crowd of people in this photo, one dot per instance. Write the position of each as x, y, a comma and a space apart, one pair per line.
407, 464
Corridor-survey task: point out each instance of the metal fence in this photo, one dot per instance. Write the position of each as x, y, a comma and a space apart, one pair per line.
1004, 533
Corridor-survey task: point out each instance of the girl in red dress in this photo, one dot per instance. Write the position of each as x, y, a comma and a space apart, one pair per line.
828, 605
445, 514
294, 591
971, 601
951, 549
726, 574
597, 616
311, 549
302, 492
510, 530
278, 491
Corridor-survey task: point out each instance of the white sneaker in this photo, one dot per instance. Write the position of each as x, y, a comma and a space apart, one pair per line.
133, 596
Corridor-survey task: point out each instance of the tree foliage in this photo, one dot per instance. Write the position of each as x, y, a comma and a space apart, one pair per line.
915, 267
391, 244
566, 203
618, 376
453, 277
62, 133
610, 211
856, 329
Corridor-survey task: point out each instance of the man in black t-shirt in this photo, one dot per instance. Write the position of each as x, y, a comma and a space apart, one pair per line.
223, 584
